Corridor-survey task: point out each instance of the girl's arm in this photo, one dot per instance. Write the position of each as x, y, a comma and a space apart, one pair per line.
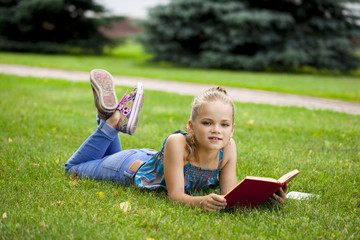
228, 171
174, 155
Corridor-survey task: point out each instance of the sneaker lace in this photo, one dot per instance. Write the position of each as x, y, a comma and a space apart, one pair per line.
124, 99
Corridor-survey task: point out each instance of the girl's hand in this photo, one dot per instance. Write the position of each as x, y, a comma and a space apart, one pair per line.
280, 196
212, 202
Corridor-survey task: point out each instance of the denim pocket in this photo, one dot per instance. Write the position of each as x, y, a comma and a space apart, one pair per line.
115, 162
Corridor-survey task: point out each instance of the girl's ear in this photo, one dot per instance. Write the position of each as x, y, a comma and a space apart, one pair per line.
233, 128
191, 126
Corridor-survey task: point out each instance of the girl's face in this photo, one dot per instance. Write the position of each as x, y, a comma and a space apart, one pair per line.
213, 127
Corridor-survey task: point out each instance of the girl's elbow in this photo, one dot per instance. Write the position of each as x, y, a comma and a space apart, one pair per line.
174, 196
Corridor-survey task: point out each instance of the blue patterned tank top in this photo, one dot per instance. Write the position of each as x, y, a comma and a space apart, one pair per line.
151, 174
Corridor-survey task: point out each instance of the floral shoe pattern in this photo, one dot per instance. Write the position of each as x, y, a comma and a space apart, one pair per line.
130, 108
104, 92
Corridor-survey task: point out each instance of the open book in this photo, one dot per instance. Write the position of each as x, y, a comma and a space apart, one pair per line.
253, 191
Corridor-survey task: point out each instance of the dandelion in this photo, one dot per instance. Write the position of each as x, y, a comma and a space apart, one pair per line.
101, 195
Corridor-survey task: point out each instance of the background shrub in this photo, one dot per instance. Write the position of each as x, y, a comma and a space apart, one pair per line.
56, 26
254, 34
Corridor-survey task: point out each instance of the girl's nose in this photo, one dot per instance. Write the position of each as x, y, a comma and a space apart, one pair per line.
215, 128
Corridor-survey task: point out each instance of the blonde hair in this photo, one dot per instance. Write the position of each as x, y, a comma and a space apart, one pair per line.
210, 95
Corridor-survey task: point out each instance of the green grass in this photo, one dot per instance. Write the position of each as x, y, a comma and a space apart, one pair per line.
130, 60
43, 122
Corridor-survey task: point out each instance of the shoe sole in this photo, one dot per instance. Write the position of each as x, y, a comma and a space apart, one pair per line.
137, 107
104, 86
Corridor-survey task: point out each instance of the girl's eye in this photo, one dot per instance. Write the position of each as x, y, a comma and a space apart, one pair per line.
206, 123
225, 125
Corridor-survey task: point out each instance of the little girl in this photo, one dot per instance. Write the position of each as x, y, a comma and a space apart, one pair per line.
203, 157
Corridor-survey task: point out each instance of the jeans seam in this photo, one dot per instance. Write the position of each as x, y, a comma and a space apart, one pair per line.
108, 131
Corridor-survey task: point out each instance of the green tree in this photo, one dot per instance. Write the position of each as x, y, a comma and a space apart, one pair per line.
254, 34
51, 26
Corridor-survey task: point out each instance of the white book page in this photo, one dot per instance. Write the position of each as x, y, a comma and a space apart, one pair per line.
300, 195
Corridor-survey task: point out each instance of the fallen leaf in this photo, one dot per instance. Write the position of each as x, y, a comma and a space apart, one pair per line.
4, 215
10, 140
125, 206
75, 177
35, 164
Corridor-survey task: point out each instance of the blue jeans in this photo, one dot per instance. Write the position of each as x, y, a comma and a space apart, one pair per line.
101, 157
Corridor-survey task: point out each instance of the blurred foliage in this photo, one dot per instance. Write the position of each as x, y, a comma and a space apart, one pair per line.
254, 34
52, 26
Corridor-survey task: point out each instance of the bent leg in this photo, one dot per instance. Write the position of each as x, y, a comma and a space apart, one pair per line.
115, 167
115, 145
96, 145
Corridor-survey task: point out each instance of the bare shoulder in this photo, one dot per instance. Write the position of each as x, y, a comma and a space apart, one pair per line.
229, 155
175, 146
177, 139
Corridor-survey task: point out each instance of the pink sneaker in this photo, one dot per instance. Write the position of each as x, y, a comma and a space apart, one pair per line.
104, 92
130, 108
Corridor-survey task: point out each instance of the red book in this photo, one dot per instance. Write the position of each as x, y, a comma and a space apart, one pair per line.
253, 191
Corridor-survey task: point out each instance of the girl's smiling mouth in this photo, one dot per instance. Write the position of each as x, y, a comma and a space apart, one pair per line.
215, 139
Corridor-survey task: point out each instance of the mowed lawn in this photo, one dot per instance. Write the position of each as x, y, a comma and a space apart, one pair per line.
130, 59
44, 121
